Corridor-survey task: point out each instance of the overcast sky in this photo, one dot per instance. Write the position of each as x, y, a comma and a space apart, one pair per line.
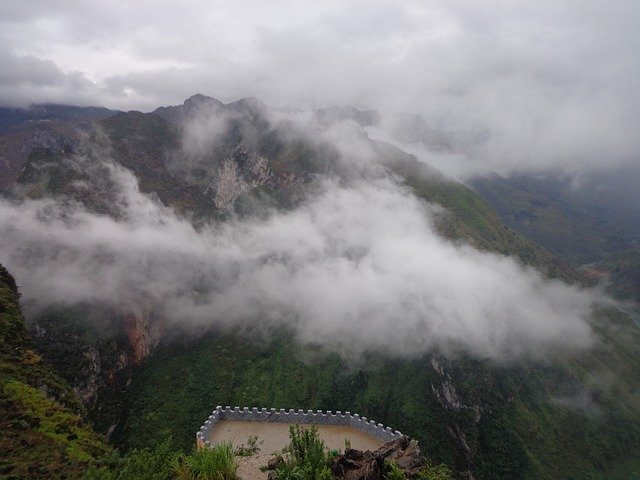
558, 78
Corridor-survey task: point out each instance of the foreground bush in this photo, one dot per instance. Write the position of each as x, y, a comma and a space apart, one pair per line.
430, 472
215, 463
160, 463
306, 457
138, 464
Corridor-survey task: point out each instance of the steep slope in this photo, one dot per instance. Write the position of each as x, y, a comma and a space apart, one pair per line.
43, 435
468, 218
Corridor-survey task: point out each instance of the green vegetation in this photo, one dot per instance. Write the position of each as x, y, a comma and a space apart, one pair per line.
394, 472
162, 463
520, 421
13, 335
215, 463
436, 472
86, 345
42, 434
469, 219
139, 464
624, 270
430, 472
250, 448
306, 457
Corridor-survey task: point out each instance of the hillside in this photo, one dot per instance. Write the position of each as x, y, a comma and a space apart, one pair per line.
623, 272
43, 434
522, 421
580, 224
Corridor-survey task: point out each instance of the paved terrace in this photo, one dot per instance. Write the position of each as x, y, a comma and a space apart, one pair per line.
275, 436
272, 428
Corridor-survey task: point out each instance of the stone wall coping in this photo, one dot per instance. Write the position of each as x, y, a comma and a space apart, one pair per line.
308, 417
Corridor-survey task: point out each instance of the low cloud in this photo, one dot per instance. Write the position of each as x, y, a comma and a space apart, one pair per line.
359, 267
581, 401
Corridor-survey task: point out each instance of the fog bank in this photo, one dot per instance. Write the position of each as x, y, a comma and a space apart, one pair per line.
357, 268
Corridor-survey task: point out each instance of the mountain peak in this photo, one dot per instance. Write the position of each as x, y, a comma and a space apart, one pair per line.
199, 99
247, 103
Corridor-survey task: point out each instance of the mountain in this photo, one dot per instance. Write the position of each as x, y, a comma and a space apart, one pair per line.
9, 117
55, 127
580, 223
198, 105
622, 270
143, 378
593, 223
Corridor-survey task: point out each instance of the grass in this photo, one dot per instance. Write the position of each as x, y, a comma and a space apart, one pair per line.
215, 463
60, 425
252, 447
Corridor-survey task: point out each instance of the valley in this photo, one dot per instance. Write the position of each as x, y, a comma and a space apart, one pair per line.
150, 335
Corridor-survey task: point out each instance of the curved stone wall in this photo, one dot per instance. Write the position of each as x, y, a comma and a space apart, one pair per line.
318, 417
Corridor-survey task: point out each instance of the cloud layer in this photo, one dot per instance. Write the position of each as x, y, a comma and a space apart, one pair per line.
554, 84
357, 268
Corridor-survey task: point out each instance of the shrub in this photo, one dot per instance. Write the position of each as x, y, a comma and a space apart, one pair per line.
251, 448
138, 464
214, 463
160, 463
306, 456
394, 472
436, 472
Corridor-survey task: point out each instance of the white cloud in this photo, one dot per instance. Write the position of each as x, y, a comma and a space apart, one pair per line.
357, 268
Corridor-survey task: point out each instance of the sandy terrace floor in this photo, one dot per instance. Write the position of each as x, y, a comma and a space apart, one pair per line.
275, 436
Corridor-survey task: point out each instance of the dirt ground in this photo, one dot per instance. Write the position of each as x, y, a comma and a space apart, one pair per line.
275, 436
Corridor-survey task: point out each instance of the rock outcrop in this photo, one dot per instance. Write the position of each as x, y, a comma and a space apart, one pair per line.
141, 329
373, 465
